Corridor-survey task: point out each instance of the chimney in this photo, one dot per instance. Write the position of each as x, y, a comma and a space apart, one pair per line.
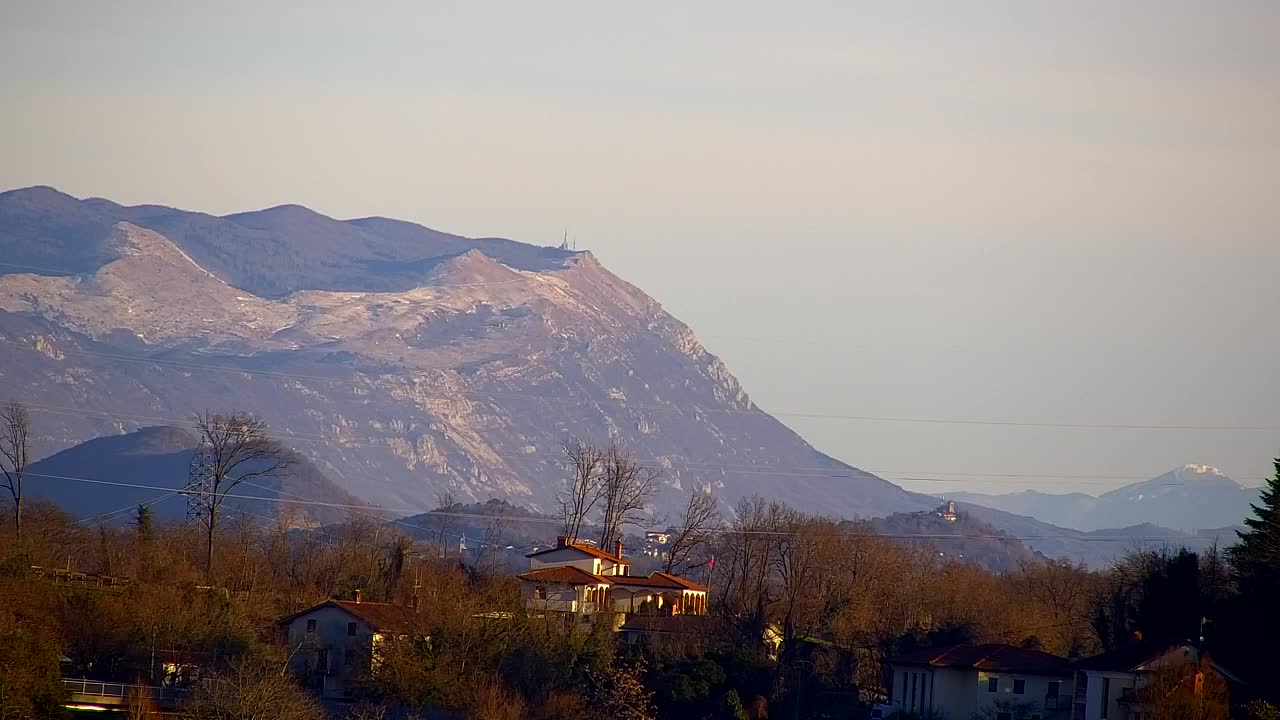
562, 541
617, 549
359, 596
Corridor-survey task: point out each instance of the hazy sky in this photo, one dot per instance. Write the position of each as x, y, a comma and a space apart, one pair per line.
1030, 212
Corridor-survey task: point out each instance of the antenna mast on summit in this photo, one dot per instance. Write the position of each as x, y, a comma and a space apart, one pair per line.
566, 243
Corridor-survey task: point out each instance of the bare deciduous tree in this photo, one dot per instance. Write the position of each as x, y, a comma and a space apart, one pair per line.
494, 701
579, 499
626, 488
1187, 691
251, 690
139, 705
1065, 592
490, 545
700, 521
751, 547
807, 549
14, 428
234, 448
445, 507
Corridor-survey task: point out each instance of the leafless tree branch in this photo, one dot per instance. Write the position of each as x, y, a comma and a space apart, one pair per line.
15, 427
694, 533
234, 448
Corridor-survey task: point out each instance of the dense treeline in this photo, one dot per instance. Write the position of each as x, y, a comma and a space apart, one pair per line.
841, 600
803, 612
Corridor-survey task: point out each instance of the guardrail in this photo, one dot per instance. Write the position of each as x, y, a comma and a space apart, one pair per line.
118, 691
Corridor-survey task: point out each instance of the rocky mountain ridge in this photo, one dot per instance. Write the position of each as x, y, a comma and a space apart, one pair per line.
403, 361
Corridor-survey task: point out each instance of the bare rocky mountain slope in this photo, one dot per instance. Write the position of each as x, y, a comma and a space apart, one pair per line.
401, 360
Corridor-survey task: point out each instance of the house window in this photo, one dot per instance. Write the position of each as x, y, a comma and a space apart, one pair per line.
1106, 697
349, 659
1019, 687
914, 677
1055, 686
904, 687
351, 629
539, 593
311, 626
993, 684
1003, 716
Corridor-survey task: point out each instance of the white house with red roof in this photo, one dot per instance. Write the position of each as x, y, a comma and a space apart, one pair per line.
584, 580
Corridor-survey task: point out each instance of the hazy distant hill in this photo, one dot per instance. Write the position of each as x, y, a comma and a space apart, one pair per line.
967, 539
1098, 548
161, 457
1191, 497
509, 524
402, 360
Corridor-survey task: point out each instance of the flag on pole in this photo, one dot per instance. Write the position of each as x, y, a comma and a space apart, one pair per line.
711, 564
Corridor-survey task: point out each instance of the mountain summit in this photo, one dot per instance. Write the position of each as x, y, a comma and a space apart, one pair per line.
1192, 497
402, 360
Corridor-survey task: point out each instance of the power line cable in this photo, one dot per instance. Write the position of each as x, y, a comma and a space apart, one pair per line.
756, 411
550, 520
663, 464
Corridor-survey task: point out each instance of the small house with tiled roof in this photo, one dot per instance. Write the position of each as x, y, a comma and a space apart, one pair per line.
991, 679
580, 555
1110, 686
583, 580
331, 645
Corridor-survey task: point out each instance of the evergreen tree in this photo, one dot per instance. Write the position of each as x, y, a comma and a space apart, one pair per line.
1250, 628
143, 523
1255, 559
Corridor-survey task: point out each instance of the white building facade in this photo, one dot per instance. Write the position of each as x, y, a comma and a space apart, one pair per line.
1001, 682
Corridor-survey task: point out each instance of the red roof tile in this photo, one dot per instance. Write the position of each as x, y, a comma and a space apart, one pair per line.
571, 575
686, 584
384, 616
381, 617
588, 549
650, 582
990, 657
1130, 657
565, 574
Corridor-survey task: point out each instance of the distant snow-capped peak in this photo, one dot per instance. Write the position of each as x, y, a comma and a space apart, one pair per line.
1202, 470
